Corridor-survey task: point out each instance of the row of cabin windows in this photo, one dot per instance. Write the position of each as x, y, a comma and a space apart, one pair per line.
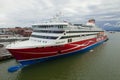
44, 37
82, 31
74, 36
48, 31
49, 26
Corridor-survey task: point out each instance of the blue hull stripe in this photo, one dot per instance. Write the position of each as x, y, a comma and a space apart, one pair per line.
29, 62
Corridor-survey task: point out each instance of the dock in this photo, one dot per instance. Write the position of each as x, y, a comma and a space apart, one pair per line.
4, 54
5, 57
13, 39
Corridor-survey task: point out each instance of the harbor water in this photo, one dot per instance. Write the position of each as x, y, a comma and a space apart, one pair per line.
101, 63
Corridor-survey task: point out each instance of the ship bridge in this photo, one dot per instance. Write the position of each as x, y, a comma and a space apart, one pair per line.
48, 32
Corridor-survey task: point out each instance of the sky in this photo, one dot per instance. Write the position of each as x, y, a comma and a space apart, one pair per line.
27, 12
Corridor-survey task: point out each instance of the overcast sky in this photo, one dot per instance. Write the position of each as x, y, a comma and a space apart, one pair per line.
27, 12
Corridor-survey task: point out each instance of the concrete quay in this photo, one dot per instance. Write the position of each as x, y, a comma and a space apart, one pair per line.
4, 54
13, 39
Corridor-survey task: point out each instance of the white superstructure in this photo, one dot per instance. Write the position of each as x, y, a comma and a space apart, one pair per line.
52, 34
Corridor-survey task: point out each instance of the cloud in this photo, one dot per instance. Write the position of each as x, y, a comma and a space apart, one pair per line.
27, 12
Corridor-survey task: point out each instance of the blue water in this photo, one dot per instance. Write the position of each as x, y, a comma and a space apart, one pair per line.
101, 63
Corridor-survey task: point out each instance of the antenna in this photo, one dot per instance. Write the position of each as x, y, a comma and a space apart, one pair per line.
56, 18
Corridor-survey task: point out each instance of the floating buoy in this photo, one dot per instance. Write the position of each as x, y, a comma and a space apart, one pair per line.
14, 68
91, 50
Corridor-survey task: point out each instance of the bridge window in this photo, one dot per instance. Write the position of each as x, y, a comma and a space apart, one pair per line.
44, 37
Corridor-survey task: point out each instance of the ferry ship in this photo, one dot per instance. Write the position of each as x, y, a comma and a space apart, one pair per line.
53, 39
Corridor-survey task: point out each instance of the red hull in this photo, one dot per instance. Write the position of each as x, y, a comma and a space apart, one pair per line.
42, 52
